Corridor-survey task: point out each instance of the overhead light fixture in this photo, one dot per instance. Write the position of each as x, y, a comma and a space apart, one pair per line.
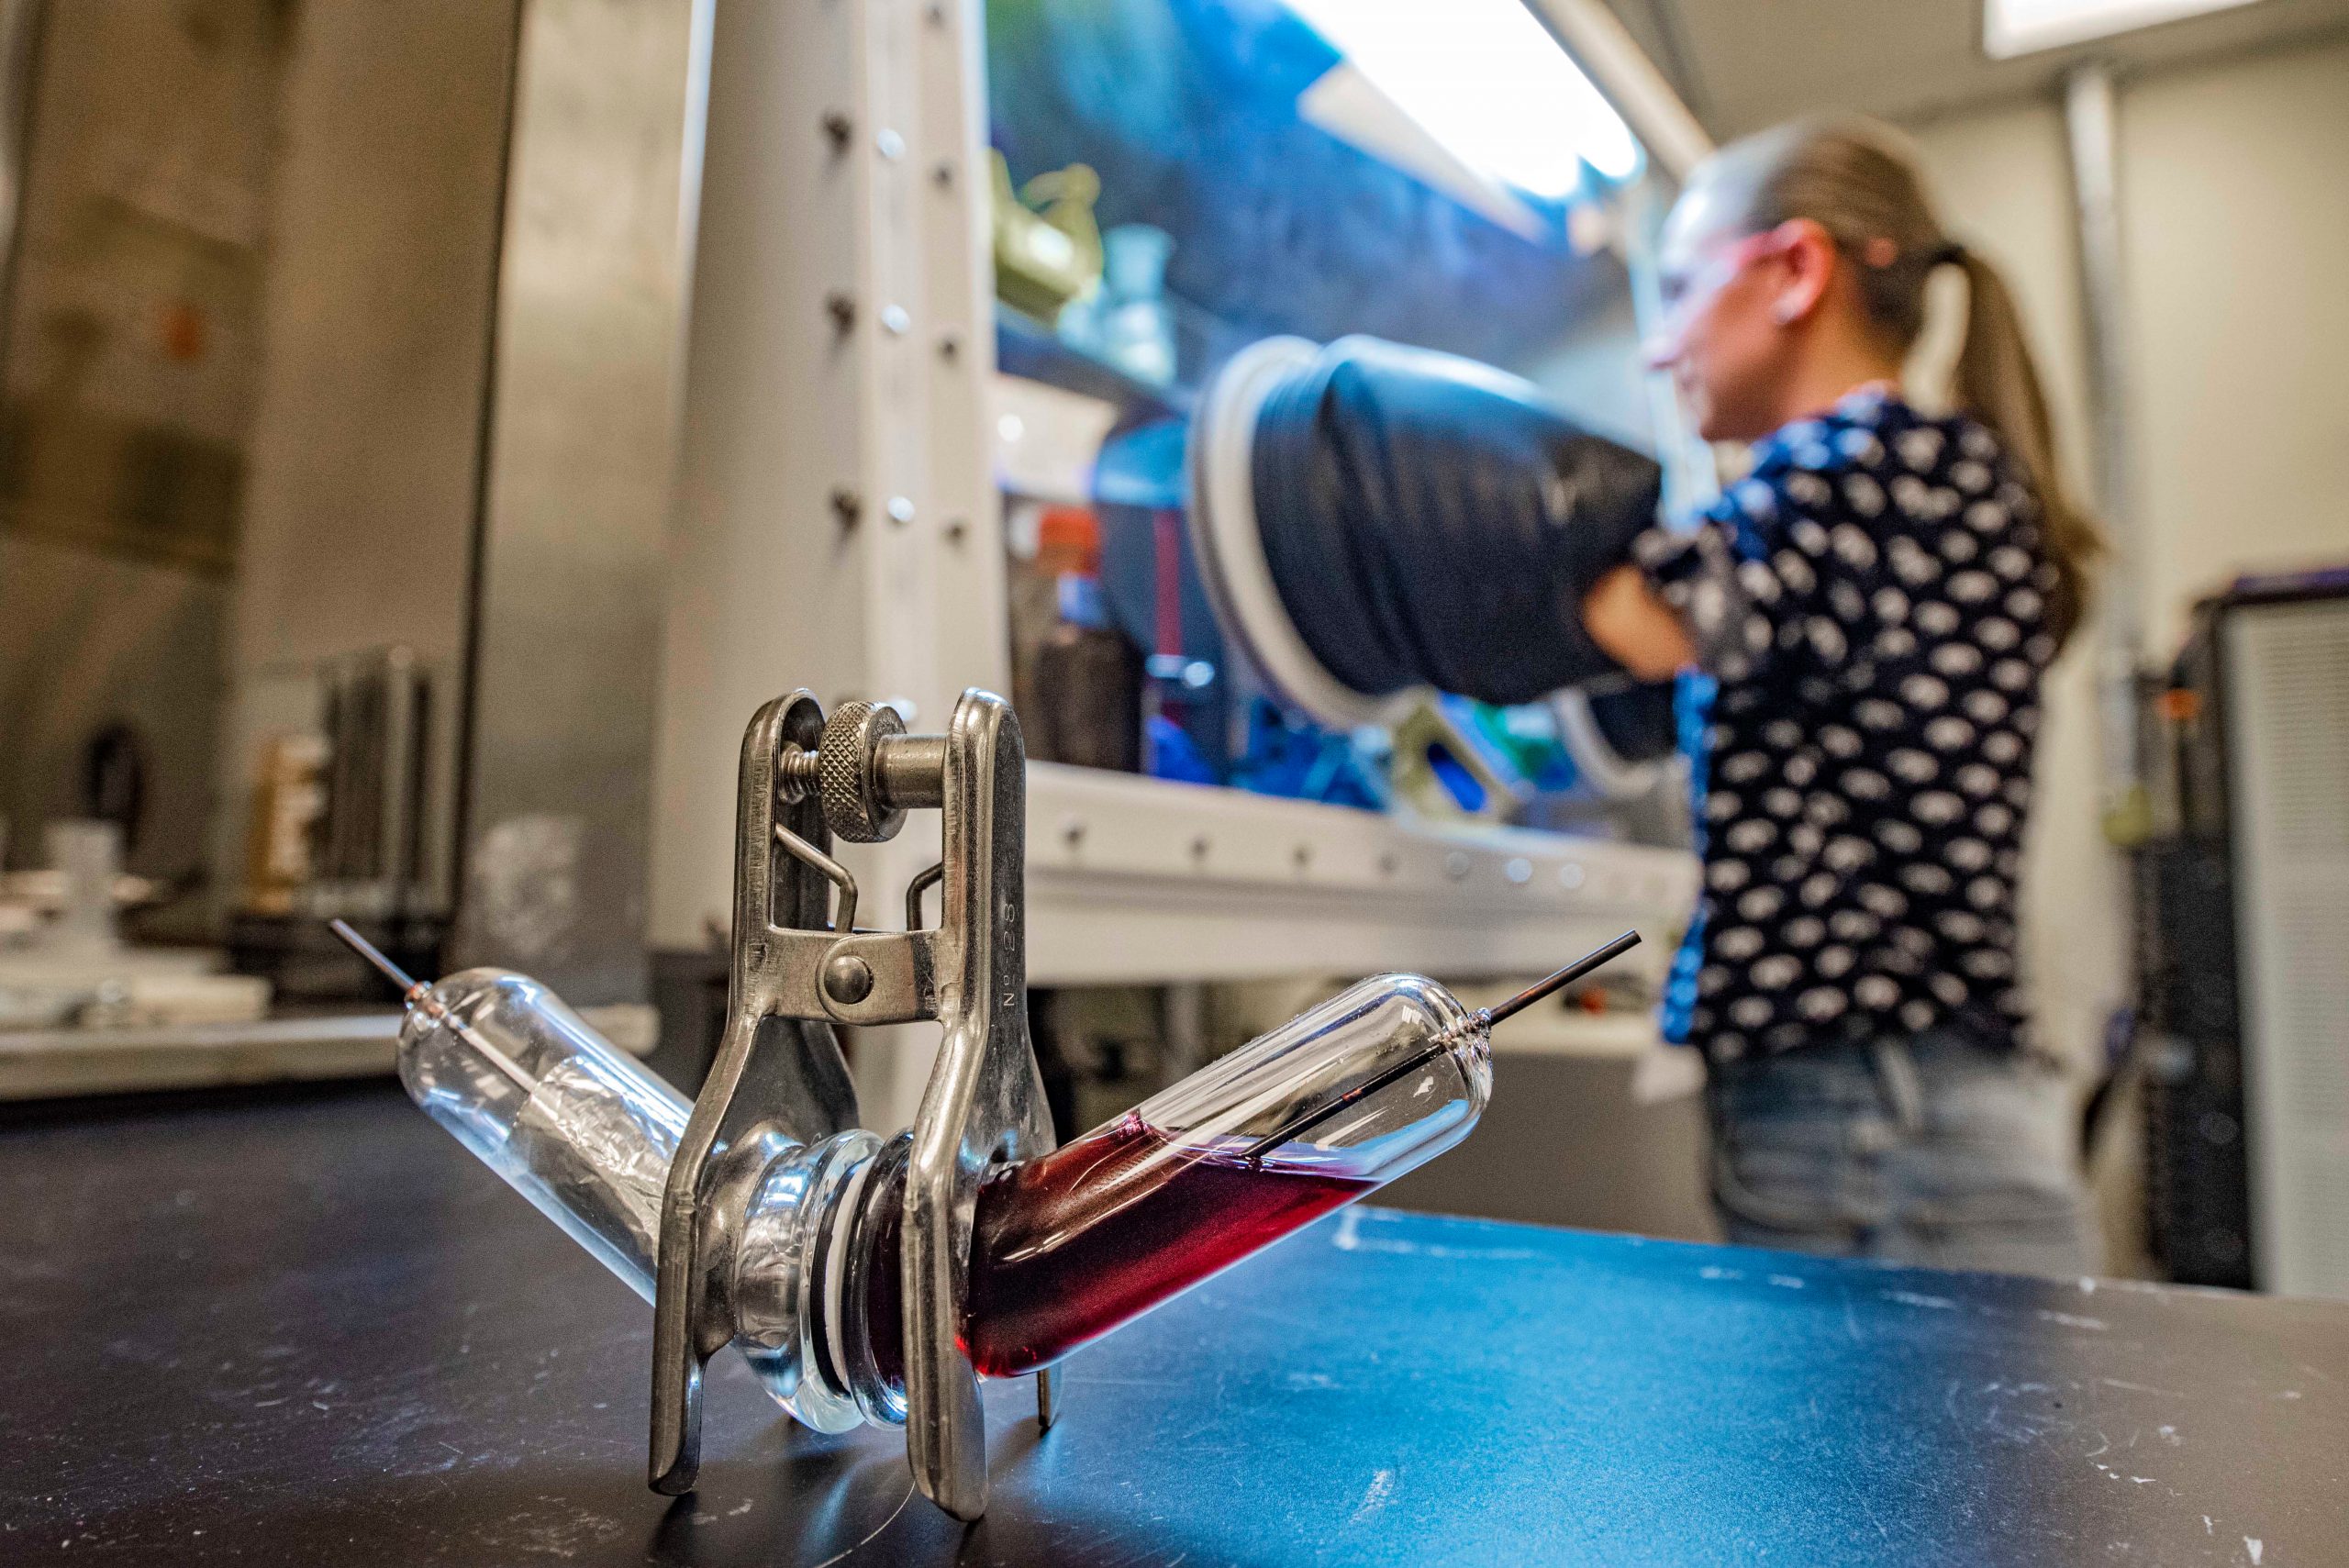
1485, 79
1346, 105
2011, 28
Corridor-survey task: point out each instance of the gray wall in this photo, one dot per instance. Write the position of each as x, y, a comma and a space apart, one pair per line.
360, 501
2235, 215
132, 356
583, 430
88, 639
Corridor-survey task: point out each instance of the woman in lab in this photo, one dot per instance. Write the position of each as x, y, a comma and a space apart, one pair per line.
1876, 602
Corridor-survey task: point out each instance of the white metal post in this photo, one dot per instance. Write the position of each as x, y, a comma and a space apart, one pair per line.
837, 527
2091, 117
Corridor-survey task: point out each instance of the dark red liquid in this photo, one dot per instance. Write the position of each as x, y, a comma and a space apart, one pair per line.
1069, 1246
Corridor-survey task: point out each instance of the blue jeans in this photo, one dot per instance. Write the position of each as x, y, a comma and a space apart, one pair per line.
1935, 1151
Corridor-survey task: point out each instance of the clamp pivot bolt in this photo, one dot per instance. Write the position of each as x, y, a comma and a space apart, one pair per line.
848, 979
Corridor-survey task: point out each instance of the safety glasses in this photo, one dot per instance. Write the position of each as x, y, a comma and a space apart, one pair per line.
1686, 294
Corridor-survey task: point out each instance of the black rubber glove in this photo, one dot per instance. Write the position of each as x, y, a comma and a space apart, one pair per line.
1430, 518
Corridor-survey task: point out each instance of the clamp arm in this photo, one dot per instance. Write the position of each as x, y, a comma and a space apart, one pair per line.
779, 1070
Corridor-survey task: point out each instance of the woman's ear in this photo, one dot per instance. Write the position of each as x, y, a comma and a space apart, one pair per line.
1807, 263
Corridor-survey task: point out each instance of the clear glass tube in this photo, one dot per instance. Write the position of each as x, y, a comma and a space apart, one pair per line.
1066, 1246
1329, 1106
587, 1135
572, 1124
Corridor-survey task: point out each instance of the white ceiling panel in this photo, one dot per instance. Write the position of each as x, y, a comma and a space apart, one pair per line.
1743, 64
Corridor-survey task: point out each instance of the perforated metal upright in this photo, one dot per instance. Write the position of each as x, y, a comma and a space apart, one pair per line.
837, 525
835, 520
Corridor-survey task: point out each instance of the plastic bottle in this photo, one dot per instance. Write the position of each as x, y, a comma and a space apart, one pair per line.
1137, 324
1087, 707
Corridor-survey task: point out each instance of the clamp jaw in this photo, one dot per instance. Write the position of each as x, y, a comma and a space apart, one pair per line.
779, 1070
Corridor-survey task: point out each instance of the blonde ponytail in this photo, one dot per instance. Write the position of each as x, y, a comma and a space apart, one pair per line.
1858, 180
1998, 382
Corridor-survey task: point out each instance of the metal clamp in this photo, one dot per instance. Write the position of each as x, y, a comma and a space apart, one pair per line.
779, 1069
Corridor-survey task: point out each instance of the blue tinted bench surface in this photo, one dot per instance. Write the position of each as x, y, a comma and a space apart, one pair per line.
311, 1328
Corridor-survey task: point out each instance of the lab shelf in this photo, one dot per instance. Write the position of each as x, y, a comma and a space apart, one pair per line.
1026, 348
37, 1064
1142, 881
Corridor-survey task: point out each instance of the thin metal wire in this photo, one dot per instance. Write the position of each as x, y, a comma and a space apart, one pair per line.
392, 972
831, 869
416, 997
1477, 1023
915, 888
1566, 976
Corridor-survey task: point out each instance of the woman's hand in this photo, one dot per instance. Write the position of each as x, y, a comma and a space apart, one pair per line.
1635, 627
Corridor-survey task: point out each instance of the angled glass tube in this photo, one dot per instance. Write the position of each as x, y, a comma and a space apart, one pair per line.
1066, 1246
572, 1123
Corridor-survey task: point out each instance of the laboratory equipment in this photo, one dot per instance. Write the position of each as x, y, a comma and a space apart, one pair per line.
75, 970
1376, 522
1129, 879
343, 823
2244, 1024
87, 856
1084, 674
873, 1281
1047, 245
1137, 321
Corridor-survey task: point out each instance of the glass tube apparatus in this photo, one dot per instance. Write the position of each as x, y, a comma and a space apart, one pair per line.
1064, 1247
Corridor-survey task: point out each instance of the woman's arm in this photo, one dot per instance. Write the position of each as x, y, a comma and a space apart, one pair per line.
1632, 624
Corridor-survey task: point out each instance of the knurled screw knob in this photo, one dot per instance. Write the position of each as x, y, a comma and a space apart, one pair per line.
849, 762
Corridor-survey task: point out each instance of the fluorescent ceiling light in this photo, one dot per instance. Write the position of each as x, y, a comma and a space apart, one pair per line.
1485, 80
2023, 26
1345, 104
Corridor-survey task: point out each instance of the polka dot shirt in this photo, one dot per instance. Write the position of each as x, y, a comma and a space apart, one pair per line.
1870, 602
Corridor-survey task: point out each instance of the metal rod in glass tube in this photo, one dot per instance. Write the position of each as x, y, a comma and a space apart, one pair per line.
417, 995
1479, 1022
